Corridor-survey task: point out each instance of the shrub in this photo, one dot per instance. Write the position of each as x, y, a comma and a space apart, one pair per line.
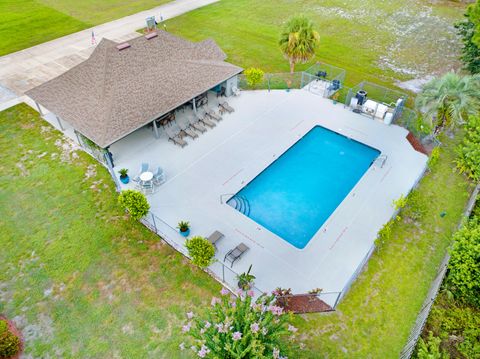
464, 266
254, 76
468, 151
9, 342
430, 348
239, 327
201, 251
434, 157
415, 207
399, 203
135, 203
385, 232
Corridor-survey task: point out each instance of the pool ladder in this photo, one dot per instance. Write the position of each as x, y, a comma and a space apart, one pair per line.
240, 203
380, 161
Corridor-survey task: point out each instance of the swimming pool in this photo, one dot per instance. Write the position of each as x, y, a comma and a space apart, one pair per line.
297, 193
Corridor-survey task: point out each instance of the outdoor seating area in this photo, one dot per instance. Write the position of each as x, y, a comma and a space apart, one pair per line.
323, 79
373, 100
193, 123
148, 179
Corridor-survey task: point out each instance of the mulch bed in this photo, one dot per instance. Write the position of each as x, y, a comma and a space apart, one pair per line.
300, 304
15, 331
416, 144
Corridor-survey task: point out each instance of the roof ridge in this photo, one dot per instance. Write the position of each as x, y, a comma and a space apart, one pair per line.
108, 105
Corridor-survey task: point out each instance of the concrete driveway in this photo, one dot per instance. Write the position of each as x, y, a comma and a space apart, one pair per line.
25, 69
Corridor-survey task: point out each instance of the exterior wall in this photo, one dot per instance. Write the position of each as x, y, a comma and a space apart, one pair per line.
231, 82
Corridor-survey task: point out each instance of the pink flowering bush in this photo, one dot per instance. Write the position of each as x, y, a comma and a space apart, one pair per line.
239, 327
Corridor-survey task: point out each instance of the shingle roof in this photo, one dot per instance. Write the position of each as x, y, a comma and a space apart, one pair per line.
114, 92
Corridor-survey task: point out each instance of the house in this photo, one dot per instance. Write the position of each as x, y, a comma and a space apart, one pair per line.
123, 87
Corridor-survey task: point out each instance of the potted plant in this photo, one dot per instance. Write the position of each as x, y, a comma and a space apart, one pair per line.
335, 98
184, 228
245, 280
124, 175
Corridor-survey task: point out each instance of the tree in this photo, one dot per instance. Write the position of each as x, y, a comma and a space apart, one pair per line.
473, 13
299, 40
470, 51
450, 99
464, 266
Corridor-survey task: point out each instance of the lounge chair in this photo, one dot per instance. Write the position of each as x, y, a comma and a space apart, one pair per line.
195, 122
235, 91
186, 129
175, 138
203, 119
213, 115
235, 253
215, 237
226, 106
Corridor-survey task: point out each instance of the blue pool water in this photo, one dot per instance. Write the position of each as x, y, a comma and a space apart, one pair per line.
297, 193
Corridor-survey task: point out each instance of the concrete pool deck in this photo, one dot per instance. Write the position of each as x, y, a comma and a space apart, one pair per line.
202, 176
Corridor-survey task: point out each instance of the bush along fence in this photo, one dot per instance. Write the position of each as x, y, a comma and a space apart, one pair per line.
417, 329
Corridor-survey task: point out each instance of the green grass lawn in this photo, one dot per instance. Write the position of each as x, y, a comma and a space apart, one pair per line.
375, 318
25, 23
87, 282
81, 278
361, 37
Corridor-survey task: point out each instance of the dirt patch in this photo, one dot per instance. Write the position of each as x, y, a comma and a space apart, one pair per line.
68, 150
303, 303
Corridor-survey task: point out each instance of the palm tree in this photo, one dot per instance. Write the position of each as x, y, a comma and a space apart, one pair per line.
299, 40
450, 99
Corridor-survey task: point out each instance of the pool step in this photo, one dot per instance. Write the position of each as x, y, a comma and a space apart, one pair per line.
242, 204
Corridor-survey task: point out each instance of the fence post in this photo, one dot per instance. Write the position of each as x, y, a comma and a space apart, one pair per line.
154, 223
268, 81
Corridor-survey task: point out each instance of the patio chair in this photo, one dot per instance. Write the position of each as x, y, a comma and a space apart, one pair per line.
235, 253
195, 122
203, 119
215, 237
235, 91
143, 168
226, 107
175, 138
213, 115
187, 130
159, 176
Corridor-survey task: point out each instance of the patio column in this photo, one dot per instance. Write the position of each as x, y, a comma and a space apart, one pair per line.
194, 106
155, 129
39, 108
60, 123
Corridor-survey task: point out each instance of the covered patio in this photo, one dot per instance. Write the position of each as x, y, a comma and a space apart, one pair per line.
122, 88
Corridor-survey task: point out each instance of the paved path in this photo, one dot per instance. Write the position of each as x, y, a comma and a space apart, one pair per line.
25, 69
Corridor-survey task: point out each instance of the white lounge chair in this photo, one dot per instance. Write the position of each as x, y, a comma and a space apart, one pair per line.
235, 91
175, 138
195, 122
226, 106
203, 119
213, 115
187, 129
